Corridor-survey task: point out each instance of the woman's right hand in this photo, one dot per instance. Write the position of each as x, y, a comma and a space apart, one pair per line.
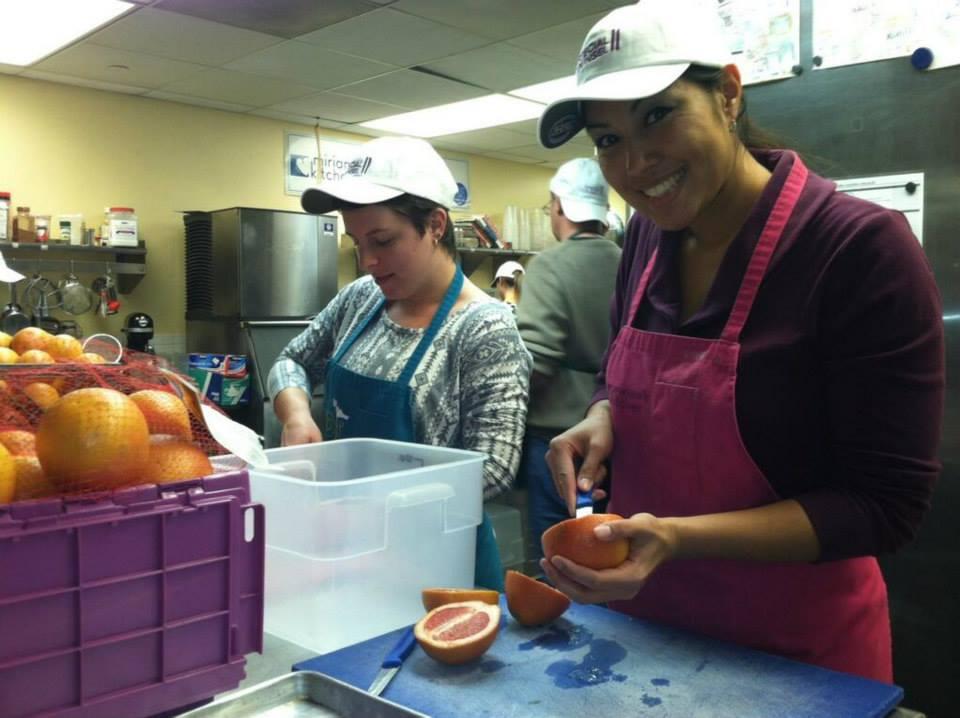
588, 444
300, 430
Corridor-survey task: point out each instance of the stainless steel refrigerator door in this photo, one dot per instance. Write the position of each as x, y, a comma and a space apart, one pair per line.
288, 263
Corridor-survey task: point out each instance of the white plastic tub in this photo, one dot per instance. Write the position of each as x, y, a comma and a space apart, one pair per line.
356, 528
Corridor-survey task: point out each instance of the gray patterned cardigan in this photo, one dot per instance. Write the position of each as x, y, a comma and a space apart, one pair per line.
469, 392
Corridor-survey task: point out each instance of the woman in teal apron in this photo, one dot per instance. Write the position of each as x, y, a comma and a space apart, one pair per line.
414, 351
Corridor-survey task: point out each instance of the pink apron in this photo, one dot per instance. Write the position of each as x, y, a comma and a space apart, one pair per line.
678, 452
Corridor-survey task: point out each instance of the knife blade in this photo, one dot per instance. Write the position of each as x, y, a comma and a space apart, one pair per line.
391, 664
584, 503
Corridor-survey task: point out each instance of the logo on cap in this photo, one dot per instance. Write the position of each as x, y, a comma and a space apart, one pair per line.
359, 166
561, 130
596, 49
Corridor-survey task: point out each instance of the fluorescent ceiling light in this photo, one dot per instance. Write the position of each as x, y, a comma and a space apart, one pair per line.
32, 29
547, 92
475, 114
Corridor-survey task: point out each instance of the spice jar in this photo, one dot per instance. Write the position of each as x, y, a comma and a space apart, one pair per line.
41, 225
23, 229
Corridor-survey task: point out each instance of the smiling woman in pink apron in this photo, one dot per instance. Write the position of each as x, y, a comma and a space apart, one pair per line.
770, 404
413, 351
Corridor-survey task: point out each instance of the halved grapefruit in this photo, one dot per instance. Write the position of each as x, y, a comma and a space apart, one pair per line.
434, 597
458, 632
531, 602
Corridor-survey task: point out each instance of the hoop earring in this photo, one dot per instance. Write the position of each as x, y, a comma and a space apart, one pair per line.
732, 127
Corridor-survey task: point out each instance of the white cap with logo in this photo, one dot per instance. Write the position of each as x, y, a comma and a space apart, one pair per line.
507, 270
637, 51
582, 190
7, 274
385, 168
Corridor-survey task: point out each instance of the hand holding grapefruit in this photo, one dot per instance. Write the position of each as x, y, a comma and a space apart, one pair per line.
574, 539
458, 632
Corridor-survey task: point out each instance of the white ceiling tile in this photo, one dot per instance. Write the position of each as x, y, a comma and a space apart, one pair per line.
561, 42
309, 64
238, 87
491, 138
199, 101
83, 82
95, 62
298, 118
181, 37
284, 18
500, 67
394, 37
503, 19
331, 106
410, 89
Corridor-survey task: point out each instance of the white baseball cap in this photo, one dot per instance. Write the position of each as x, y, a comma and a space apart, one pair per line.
7, 274
507, 270
637, 51
582, 191
385, 168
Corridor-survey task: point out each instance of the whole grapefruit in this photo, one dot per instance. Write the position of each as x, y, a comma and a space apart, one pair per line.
30, 338
36, 356
531, 602
164, 411
42, 394
8, 476
32, 482
93, 438
573, 539
5, 339
458, 632
175, 460
89, 358
19, 443
8, 356
64, 346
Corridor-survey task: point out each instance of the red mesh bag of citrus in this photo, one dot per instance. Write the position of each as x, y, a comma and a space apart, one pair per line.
69, 427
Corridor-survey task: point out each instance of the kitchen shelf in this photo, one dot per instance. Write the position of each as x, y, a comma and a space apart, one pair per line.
471, 257
127, 263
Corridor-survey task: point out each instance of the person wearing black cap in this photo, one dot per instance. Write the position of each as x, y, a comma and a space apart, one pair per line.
413, 351
771, 402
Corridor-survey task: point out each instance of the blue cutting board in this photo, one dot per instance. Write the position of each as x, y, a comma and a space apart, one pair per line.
594, 661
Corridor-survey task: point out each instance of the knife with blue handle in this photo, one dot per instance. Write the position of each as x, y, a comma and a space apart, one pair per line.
391, 664
584, 503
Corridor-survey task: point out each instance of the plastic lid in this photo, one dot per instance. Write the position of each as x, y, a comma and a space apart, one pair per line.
122, 209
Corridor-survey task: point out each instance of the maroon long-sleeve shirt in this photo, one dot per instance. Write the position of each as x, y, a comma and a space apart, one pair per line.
841, 373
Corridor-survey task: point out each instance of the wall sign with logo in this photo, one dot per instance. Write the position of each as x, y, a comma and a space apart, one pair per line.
303, 168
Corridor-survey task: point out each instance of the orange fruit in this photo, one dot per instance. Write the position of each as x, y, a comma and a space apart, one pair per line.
532, 602
165, 412
8, 356
36, 356
64, 346
93, 439
574, 540
30, 338
19, 443
433, 597
32, 482
458, 632
5, 339
8, 476
43, 395
89, 358
175, 460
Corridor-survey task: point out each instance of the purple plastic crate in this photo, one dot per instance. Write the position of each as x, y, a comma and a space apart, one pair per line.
131, 603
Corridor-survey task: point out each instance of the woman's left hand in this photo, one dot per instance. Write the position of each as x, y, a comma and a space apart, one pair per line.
652, 542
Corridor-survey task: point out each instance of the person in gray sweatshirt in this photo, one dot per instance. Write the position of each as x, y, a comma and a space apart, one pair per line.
563, 318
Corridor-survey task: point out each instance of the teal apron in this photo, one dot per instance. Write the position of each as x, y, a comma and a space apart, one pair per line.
357, 406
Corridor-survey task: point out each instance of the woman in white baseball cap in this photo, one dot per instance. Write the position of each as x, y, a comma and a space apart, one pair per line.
770, 404
413, 350
508, 281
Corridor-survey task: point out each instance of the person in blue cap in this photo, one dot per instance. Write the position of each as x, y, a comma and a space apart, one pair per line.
412, 351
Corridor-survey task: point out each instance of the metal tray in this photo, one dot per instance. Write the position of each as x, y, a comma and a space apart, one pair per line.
303, 693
